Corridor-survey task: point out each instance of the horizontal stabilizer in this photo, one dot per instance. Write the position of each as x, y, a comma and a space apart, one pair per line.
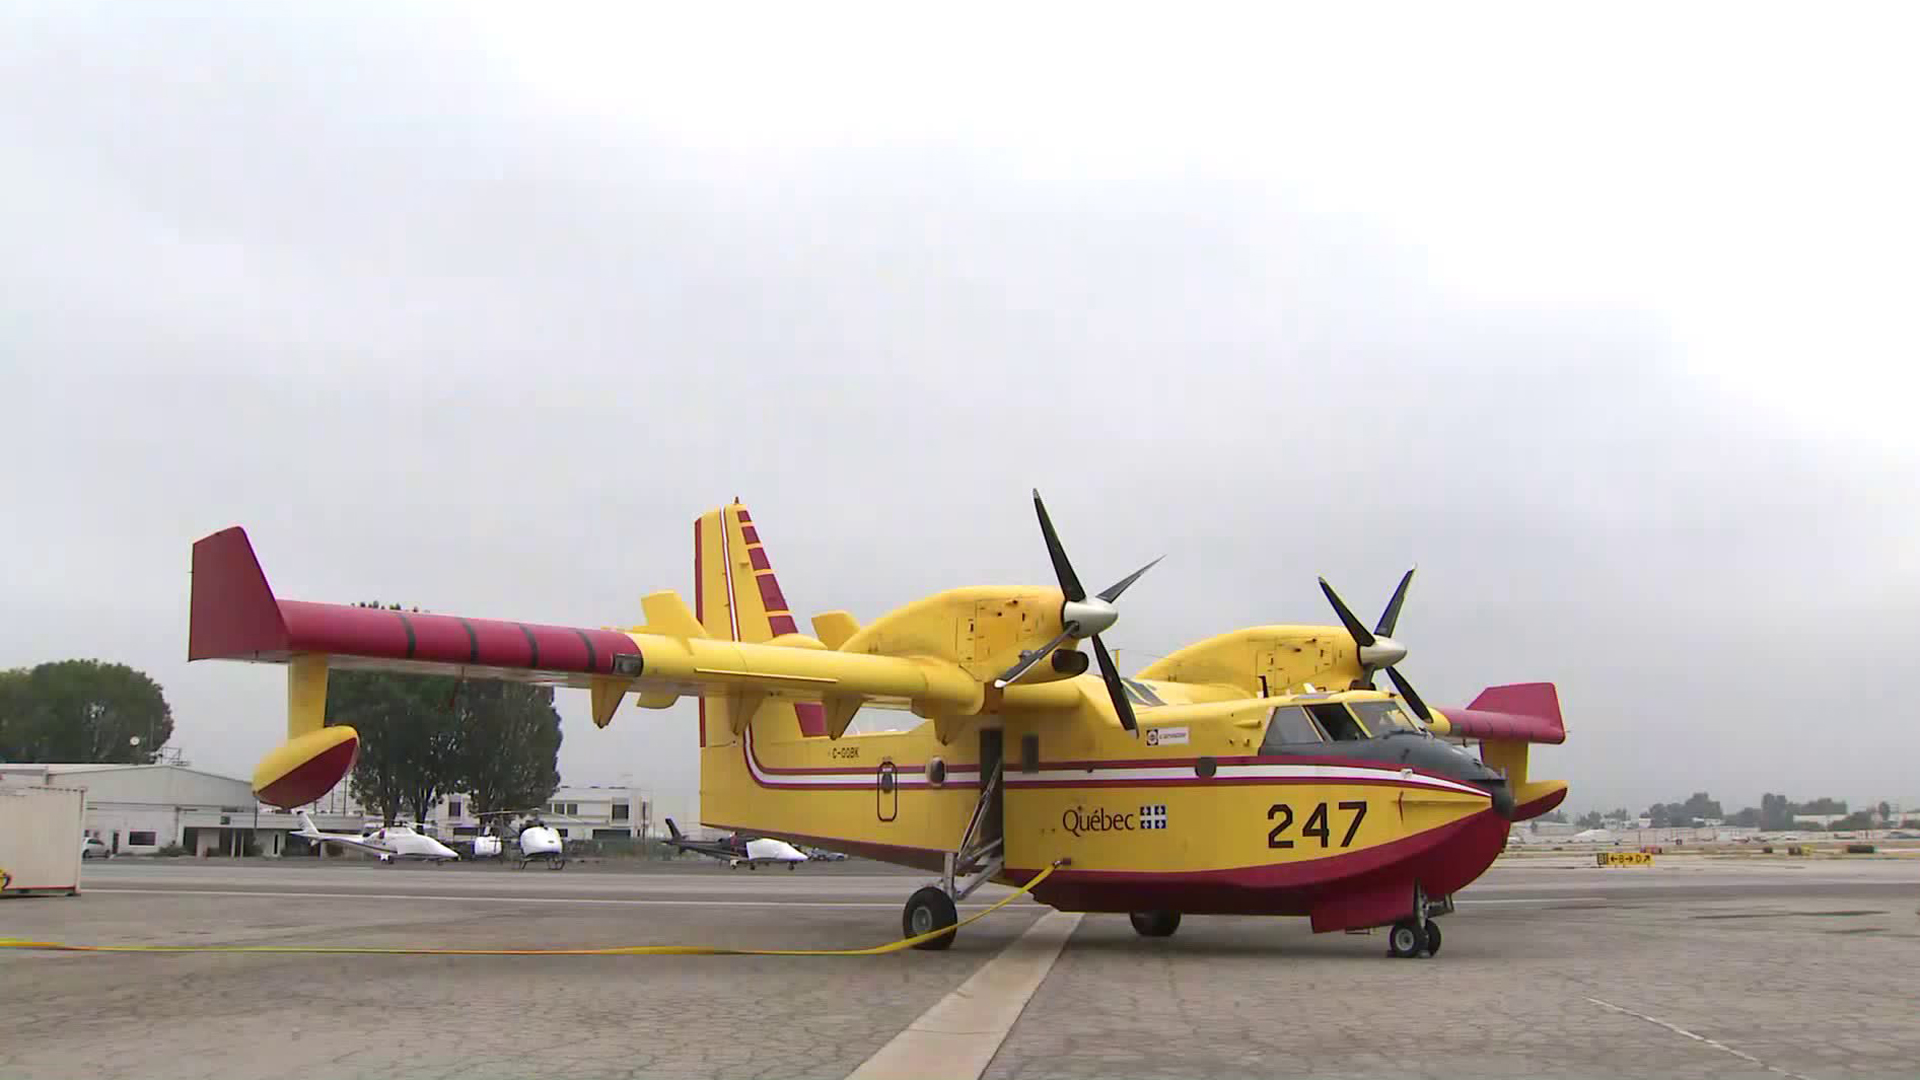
833, 628
1524, 712
669, 615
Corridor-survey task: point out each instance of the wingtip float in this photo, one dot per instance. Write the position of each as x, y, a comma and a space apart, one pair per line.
1257, 772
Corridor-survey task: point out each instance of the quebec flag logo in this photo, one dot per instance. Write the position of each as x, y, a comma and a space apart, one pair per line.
1153, 817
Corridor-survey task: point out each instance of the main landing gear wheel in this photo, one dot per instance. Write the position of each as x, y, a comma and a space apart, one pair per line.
1433, 938
1407, 938
1155, 923
928, 910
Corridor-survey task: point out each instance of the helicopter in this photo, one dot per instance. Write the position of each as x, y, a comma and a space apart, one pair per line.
1259, 771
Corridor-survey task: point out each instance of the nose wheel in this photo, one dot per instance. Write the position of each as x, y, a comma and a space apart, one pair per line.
1408, 938
1414, 937
1155, 923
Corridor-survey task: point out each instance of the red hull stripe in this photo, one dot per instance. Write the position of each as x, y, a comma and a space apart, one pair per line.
844, 779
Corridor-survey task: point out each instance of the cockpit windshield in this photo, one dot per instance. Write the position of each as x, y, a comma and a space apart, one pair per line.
1383, 717
1290, 725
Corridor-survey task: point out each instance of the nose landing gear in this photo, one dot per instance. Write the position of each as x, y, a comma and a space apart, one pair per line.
1419, 934
1155, 923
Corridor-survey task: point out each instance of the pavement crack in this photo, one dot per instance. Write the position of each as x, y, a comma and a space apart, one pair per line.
1714, 1043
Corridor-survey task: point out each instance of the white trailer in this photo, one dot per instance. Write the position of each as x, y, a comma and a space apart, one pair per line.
41, 833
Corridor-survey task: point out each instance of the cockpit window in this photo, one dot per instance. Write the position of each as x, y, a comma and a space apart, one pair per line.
1337, 722
1382, 717
1290, 726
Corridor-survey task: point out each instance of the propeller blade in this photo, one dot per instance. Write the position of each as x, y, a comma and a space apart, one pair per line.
1013, 673
1115, 688
1391, 617
1113, 591
1406, 691
1354, 626
1062, 569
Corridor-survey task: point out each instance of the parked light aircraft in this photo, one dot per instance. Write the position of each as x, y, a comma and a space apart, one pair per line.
737, 851
536, 841
389, 842
1256, 772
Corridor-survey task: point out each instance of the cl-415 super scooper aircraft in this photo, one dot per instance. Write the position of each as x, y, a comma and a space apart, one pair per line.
1257, 772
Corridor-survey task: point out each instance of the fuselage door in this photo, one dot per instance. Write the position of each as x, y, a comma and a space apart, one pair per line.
886, 791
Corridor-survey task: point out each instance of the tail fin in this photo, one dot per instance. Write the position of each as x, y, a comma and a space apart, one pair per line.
736, 596
307, 827
1506, 719
673, 829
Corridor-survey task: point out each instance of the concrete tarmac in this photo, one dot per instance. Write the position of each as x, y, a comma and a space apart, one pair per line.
1698, 966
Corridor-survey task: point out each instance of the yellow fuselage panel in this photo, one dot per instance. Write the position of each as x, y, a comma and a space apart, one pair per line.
1217, 825
1183, 796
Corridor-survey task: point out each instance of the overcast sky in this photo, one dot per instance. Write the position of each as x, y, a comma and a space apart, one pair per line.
1605, 319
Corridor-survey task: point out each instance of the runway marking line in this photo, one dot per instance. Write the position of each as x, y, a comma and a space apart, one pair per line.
1715, 1043
615, 950
960, 1035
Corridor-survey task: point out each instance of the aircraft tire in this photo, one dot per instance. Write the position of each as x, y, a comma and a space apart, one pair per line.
1433, 938
1154, 923
928, 910
1407, 938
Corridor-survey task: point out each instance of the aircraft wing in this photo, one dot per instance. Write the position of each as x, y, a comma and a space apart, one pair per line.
234, 615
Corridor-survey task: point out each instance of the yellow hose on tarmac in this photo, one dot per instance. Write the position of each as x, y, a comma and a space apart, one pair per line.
615, 950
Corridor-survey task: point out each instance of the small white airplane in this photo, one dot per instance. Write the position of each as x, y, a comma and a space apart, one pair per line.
738, 852
389, 842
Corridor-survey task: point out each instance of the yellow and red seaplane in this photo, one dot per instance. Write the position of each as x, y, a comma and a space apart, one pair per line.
1257, 772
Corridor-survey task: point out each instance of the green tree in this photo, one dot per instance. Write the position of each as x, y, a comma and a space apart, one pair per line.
1748, 818
1592, 820
83, 711
1700, 807
1776, 812
409, 733
1859, 819
509, 757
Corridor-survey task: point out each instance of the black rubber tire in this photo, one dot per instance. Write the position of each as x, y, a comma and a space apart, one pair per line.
928, 910
1433, 938
1154, 923
1406, 938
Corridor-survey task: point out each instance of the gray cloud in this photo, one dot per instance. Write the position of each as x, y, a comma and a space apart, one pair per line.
433, 339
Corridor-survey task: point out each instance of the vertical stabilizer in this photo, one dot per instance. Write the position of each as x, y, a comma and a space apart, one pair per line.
738, 598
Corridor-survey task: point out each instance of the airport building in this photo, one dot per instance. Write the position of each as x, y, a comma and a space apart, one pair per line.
576, 813
140, 809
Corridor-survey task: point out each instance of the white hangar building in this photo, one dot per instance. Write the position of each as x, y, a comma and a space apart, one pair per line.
138, 809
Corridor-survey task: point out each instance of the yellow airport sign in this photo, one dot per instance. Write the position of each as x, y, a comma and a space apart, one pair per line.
1624, 858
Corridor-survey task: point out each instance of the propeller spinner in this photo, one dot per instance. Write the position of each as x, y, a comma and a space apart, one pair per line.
1081, 616
1377, 647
